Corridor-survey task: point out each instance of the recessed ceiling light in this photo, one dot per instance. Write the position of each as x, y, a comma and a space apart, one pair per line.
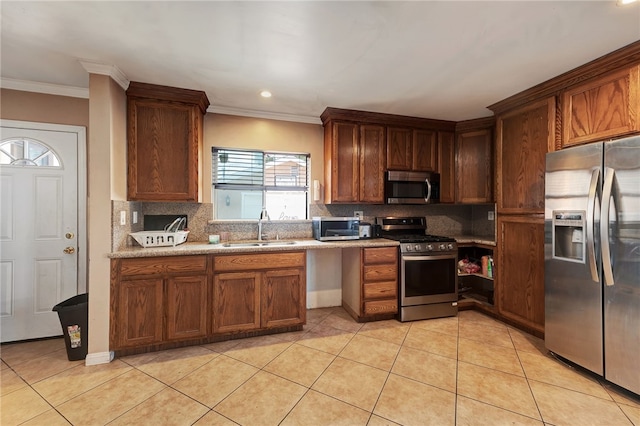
265, 94
624, 2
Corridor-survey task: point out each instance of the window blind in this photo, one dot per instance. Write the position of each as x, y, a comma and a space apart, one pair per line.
271, 171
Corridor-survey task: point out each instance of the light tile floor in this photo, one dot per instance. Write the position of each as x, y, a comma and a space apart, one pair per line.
464, 370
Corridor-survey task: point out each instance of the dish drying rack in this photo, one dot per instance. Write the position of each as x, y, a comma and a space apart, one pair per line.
173, 234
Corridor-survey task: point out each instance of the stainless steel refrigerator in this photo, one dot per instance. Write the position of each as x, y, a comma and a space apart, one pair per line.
592, 258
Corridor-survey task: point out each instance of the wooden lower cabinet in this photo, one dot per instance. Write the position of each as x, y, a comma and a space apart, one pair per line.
156, 300
162, 302
283, 298
236, 301
187, 307
139, 315
259, 291
370, 282
519, 281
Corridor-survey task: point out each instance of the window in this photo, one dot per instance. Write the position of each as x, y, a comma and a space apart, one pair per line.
27, 152
244, 181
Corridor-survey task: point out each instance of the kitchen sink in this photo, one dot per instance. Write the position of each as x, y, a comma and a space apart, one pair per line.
258, 243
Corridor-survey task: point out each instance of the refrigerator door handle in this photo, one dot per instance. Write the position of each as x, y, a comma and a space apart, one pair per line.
591, 250
604, 226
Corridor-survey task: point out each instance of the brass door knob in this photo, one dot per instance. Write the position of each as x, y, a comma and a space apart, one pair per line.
69, 235
69, 250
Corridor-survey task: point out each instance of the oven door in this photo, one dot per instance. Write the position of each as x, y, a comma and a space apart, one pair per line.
428, 279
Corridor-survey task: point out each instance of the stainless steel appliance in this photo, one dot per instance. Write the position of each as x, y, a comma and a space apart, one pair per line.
428, 281
592, 258
329, 228
401, 187
365, 230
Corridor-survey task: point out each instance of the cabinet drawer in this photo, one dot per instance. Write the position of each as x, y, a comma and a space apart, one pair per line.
251, 262
380, 272
389, 306
380, 255
162, 265
380, 290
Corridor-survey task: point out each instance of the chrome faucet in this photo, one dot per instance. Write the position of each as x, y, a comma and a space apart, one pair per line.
263, 216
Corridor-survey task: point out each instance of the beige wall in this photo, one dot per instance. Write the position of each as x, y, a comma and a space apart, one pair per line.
257, 133
118, 141
38, 107
107, 137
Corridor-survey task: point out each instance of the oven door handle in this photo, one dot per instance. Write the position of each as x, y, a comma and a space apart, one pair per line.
406, 257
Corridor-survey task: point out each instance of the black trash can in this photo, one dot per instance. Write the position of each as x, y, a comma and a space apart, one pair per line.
74, 318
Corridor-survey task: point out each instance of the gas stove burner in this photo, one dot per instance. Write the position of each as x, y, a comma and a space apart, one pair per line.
417, 238
411, 232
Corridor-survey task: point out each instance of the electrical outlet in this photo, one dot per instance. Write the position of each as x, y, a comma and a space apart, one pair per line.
123, 217
359, 214
491, 216
135, 217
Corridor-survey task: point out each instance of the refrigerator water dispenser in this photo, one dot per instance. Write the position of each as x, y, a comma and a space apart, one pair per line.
569, 235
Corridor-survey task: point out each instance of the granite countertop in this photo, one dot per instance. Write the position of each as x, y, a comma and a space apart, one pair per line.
191, 248
474, 239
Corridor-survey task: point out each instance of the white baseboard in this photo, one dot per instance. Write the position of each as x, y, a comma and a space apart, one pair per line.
324, 298
99, 358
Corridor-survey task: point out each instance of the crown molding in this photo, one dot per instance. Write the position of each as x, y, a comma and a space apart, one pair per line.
264, 114
46, 88
93, 67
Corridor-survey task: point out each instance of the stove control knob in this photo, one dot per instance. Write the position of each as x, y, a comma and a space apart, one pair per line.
408, 247
429, 247
442, 247
450, 246
417, 247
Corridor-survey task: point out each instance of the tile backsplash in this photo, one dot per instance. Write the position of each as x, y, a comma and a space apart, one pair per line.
442, 219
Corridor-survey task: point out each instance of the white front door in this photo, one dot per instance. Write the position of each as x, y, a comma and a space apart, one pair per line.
40, 229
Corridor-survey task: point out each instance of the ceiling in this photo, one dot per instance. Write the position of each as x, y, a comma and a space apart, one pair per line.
437, 59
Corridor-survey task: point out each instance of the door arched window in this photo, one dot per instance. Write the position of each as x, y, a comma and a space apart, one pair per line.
27, 152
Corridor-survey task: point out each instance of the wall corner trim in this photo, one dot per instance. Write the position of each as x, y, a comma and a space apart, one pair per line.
93, 67
99, 358
46, 88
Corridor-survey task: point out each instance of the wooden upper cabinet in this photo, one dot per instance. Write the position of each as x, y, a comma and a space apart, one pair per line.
424, 156
164, 142
372, 164
524, 136
411, 149
474, 171
341, 154
355, 163
447, 166
399, 148
602, 108
359, 146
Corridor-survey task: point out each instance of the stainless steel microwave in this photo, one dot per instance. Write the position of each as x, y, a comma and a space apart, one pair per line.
401, 187
335, 228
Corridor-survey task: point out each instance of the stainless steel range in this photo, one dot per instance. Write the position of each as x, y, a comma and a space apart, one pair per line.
428, 282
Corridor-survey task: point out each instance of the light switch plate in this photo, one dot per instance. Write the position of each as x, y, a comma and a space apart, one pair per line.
134, 219
359, 214
491, 216
123, 217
